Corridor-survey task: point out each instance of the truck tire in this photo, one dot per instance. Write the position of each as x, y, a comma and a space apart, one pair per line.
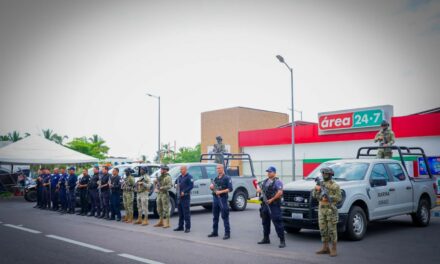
356, 224
239, 201
292, 230
31, 196
423, 215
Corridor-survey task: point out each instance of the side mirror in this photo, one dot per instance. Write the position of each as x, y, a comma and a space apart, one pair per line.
378, 182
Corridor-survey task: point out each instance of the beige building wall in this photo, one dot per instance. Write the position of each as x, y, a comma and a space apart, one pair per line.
228, 122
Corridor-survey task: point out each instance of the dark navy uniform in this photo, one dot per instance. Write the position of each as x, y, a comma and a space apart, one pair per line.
185, 184
62, 182
270, 188
220, 203
105, 195
39, 186
83, 194
71, 199
54, 178
46, 191
94, 196
115, 197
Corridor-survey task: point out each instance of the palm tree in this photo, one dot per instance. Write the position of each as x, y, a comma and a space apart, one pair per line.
4, 138
47, 133
14, 136
58, 139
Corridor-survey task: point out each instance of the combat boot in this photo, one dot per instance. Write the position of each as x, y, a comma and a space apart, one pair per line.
129, 219
145, 222
160, 223
125, 218
167, 223
265, 240
324, 249
139, 221
333, 252
282, 243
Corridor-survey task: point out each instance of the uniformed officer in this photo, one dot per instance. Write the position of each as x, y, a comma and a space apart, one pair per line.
46, 188
328, 212
127, 195
220, 187
62, 184
54, 178
163, 185
105, 193
184, 184
271, 190
142, 189
95, 204
39, 187
115, 196
83, 192
385, 137
71, 184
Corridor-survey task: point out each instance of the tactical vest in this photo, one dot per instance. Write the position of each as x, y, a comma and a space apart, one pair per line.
128, 184
93, 184
140, 187
270, 190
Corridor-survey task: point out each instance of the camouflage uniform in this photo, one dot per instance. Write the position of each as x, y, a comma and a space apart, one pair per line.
127, 196
163, 197
143, 189
385, 136
328, 214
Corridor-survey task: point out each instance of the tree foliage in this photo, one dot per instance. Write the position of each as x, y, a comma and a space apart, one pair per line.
183, 155
13, 136
89, 146
50, 135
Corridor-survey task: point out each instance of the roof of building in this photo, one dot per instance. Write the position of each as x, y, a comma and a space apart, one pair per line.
429, 111
246, 108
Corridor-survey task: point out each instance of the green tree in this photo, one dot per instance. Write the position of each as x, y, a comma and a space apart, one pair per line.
50, 135
14, 136
185, 154
86, 146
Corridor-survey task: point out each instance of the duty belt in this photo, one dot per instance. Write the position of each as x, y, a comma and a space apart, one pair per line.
325, 206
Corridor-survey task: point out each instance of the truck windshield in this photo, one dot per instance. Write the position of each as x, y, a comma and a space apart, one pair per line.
354, 171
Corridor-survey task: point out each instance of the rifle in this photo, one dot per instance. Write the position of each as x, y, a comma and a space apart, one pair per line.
214, 192
263, 195
324, 190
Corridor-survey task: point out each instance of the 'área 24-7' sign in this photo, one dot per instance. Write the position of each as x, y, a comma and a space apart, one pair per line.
351, 120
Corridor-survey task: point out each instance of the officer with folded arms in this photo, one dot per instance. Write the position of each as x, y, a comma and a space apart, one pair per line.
95, 208
71, 184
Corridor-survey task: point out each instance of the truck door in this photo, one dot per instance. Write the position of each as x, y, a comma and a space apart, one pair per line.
401, 189
379, 192
199, 184
211, 173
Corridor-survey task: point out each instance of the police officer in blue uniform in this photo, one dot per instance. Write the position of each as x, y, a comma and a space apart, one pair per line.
46, 189
271, 190
184, 184
83, 192
220, 187
71, 184
39, 187
95, 208
105, 193
54, 178
62, 182
115, 196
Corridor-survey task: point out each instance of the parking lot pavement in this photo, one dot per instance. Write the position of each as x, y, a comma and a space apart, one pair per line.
79, 238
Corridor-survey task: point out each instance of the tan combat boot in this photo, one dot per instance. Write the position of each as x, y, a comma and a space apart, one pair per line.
125, 218
139, 221
167, 223
129, 219
145, 222
160, 223
324, 250
333, 252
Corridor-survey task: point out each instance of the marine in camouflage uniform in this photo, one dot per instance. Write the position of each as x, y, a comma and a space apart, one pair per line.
386, 138
142, 189
163, 185
219, 149
328, 212
127, 195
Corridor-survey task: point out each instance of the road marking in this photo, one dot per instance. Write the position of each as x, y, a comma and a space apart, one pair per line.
23, 229
80, 243
148, 261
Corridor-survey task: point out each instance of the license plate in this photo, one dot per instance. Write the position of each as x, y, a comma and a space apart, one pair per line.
297, 216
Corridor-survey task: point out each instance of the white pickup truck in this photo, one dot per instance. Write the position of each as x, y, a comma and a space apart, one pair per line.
372, 189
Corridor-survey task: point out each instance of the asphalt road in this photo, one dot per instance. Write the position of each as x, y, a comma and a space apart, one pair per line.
30, 235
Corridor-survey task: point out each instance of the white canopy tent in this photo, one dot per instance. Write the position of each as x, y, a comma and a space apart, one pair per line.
37, 150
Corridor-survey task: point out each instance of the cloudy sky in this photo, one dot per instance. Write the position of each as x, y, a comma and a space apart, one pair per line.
83, 67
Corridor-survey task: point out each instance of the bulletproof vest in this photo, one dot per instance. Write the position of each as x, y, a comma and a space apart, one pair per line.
128, 184
270, 190
104, 180
93, 184
221, 184
116, 184
140, 187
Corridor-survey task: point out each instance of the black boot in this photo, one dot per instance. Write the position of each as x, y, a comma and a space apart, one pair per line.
91, 214
282, 243
102, 214
265, 240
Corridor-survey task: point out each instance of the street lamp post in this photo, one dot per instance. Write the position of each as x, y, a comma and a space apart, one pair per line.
158, 133
281, 59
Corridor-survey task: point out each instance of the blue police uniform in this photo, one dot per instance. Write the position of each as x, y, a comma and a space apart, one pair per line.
63, 194
220, 204
54, 178
185, 184
95, 207
105, 196
46, 191
115, 198
39, 183
71, 199
270, 188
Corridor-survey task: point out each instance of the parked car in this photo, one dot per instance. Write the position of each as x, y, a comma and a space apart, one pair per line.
372, 189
